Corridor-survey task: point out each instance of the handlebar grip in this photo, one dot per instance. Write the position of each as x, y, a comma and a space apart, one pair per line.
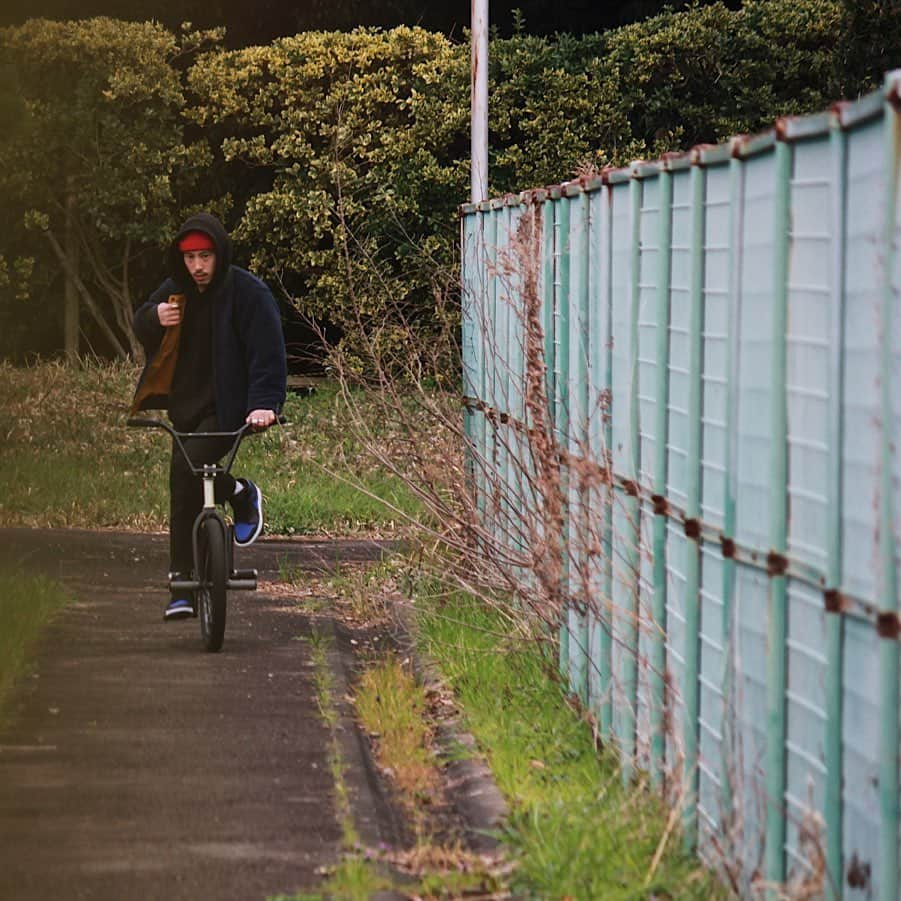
145, 423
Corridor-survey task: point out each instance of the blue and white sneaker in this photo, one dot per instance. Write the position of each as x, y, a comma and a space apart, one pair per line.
179, 608
248, 507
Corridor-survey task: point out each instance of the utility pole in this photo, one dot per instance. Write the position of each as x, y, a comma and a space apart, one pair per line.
479, 101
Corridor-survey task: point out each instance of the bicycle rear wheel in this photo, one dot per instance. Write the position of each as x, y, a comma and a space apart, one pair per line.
213, 576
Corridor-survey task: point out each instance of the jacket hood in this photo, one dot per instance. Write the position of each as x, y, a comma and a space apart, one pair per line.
211, 226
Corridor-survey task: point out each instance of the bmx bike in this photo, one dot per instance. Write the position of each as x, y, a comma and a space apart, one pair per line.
213, 540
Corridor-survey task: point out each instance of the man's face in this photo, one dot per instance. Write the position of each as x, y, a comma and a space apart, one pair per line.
201, 264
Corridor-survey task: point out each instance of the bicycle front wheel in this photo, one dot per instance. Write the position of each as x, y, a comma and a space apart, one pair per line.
213, 576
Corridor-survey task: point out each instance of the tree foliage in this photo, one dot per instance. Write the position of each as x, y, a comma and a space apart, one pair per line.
341, 158
88, 174
322, 113
365, 135
267, 20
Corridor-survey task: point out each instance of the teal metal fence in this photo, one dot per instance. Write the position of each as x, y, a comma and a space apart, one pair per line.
699, 358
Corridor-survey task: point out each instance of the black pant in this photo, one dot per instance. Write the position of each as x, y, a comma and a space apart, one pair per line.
186, 490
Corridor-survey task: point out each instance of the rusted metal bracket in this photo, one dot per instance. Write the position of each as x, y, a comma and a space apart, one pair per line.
834, 601
630, 486
888, 625
859, 873
776, 564
695, 529
893, 94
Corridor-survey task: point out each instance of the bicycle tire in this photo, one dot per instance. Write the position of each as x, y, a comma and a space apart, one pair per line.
213, 576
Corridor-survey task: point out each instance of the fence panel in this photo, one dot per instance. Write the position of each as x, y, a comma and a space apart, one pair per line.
714, 412
722, 343
680, 461
600, 432
650, 261
860, 480
809, 338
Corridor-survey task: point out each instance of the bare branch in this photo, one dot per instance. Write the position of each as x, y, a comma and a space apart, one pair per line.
85, 295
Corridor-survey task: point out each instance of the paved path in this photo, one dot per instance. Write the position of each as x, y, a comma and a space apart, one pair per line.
137, 766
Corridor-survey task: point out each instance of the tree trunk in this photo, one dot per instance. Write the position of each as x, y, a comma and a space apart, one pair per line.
116, 291
70, 320
85, 295
137, 351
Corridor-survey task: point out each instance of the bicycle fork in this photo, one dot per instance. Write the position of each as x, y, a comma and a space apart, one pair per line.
238, 579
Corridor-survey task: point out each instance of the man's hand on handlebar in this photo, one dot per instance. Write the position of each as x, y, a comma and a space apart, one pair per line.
261, 419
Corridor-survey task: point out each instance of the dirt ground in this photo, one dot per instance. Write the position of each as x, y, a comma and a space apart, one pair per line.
133, 765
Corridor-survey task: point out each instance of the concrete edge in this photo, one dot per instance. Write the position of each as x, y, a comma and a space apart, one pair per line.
472, 788
365, 792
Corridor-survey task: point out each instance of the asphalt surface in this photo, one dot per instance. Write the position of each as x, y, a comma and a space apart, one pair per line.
133, 765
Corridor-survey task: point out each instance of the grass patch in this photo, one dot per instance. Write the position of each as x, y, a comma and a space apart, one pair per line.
574, 831
391, 706
26, 604
322, 679
390, 702
354, 878
67, 459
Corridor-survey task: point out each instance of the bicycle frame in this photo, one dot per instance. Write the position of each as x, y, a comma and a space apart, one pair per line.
238, 580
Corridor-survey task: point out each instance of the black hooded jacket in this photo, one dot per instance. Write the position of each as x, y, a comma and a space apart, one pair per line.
233, 334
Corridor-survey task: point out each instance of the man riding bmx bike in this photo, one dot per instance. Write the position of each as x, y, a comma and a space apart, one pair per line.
216, 359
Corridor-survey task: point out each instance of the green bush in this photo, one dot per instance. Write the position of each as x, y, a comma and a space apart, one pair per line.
708, 73
324, 113
364, 136
340, 159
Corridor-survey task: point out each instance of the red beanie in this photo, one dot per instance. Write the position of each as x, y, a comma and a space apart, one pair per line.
196, 241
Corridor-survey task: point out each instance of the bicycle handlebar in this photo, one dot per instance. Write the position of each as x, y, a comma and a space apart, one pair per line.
238, 435
159, 424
